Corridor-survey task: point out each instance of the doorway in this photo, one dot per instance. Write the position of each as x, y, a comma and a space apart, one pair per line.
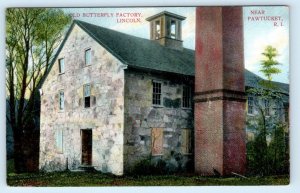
86, 147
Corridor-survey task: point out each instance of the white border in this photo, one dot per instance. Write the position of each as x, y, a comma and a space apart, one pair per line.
294, 93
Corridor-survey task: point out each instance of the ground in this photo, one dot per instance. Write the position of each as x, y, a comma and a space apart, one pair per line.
98, 179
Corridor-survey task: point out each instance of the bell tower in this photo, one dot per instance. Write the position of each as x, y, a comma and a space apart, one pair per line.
166, 29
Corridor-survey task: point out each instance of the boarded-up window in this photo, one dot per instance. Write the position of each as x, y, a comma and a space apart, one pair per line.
59, 140
157, 141
186, 141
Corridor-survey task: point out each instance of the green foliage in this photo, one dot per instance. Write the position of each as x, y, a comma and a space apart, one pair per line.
278, 150
32, 37
268, 65
268, 153
98, 179
148, 166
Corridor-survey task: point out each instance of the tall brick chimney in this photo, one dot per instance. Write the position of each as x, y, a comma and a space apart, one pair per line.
219, 91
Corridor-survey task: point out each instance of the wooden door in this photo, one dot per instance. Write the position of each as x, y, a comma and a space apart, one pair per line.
86, 142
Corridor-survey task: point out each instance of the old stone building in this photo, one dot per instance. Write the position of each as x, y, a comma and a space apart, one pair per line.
113, 99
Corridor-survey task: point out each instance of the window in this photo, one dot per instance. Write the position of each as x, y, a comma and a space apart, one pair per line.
61, 100
157, 29
186, 141
250, 105
61, 65
173, 29
88, 57
277, 108
267, 107
87, 95
59, 140
157, 141
156, 100
186, 97
286, 113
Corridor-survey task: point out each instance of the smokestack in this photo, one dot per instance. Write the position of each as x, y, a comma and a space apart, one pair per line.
219, 91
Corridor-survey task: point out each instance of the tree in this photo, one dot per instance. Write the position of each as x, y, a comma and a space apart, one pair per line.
268, 65
32, 37
265, 150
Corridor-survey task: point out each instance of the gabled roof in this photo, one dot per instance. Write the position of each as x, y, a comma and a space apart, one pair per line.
252, 80
141, 53
147, 54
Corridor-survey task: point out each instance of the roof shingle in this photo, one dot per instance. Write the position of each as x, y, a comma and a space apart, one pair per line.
147, 54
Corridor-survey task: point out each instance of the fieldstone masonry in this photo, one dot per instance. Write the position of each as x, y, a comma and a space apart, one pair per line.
141, 116
105, 117
121, 115
219, 91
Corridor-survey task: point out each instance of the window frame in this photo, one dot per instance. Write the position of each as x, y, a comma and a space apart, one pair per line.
248, 105
86, 97
188, 98
157, 29
60, 101
278, 108
154, 94
173, 35
59, 136
60, 70
88, 50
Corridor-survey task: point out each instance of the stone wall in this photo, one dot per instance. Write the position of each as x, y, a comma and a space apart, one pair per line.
141, 116
277, 113
105, 116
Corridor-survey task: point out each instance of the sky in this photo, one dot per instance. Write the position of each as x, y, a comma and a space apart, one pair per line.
258, 33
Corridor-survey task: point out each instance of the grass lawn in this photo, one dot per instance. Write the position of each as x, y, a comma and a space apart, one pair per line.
98, 179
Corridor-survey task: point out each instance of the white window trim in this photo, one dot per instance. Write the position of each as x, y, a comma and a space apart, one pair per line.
85, 50
85, 96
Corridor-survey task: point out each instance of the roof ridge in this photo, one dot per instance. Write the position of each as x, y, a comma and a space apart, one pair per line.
105, 28
123, 33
